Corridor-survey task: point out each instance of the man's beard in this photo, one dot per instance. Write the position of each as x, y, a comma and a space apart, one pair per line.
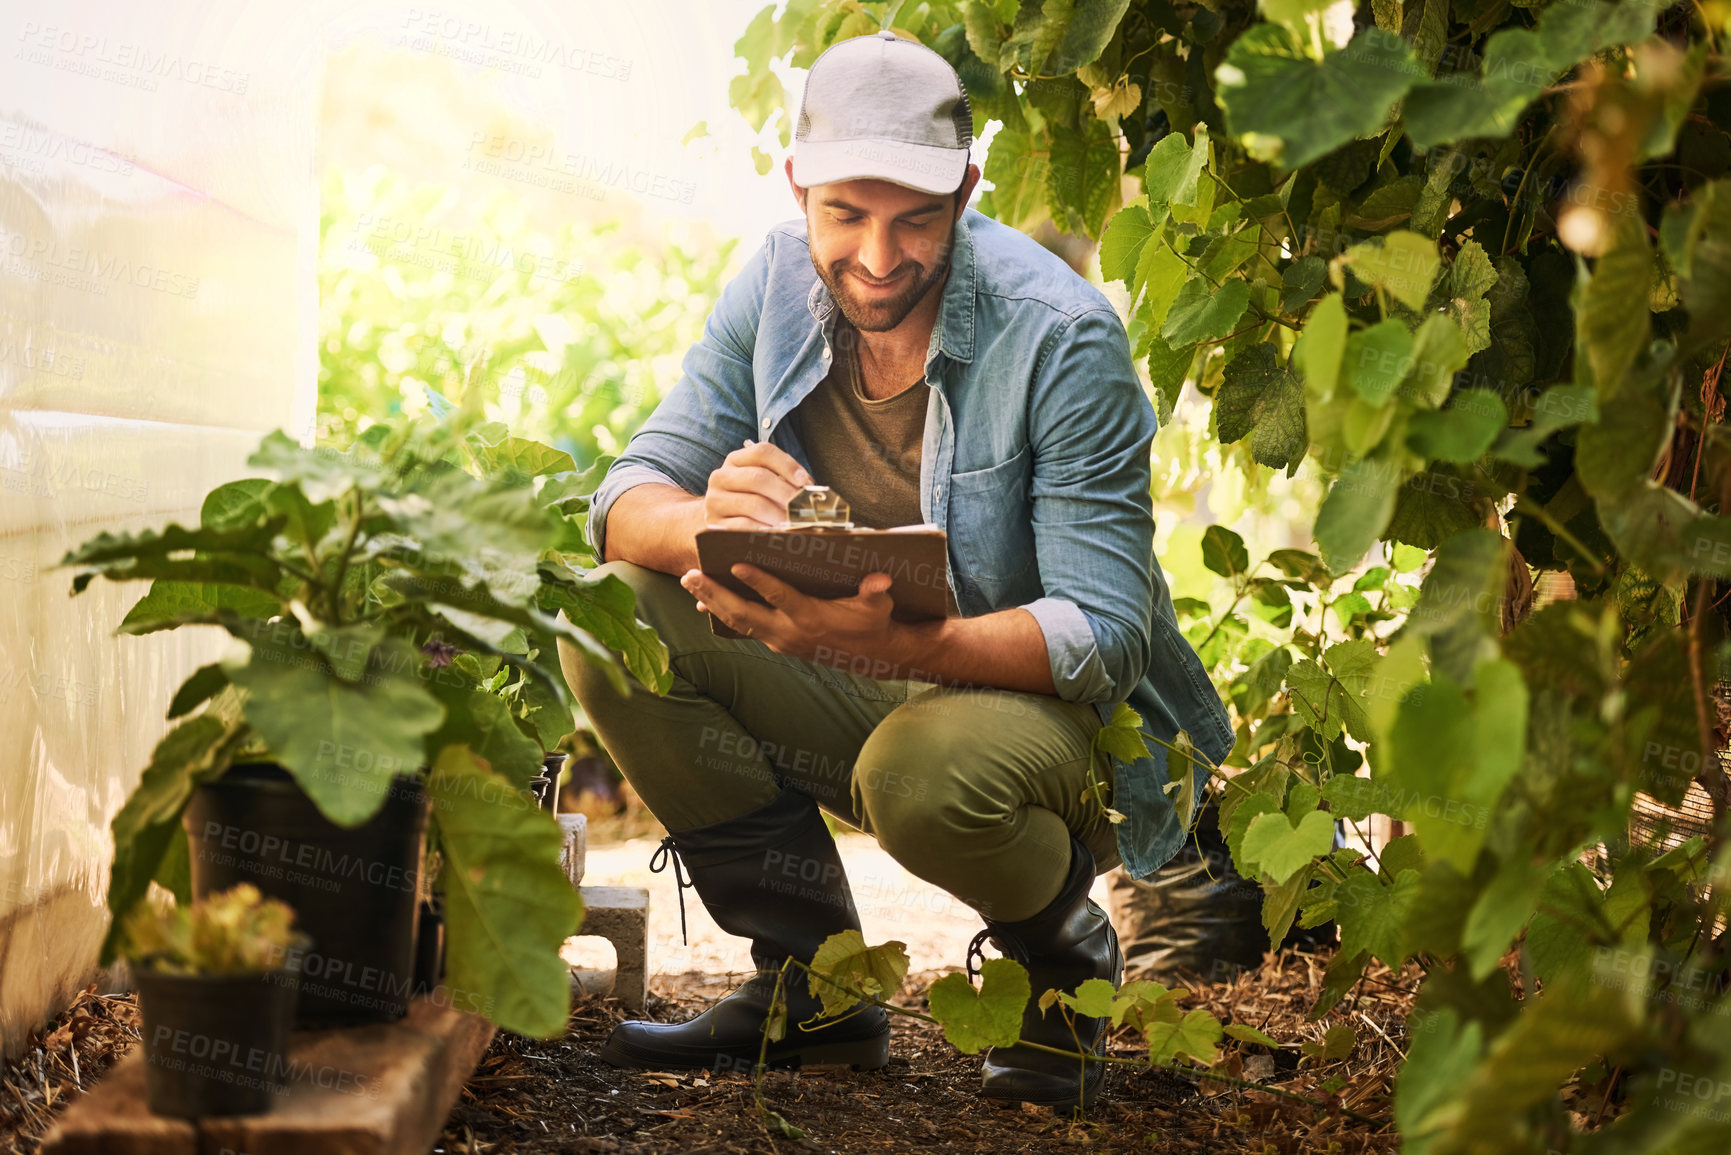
883, 314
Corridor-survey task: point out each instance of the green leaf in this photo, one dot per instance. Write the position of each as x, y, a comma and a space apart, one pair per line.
1172, 173
483, 723
1204, 313
1442, 1058
1082, 180
1280, 850
1063, 35
1301, 281
201, 686
518, 458
1018, 172
1502, 909
873, 971
227, 557
1558, 940
1463, 585
320, 474
1373, 916
1321, 347
1249, 1034
172, 603
1336, 1044
1301, 565
1259, 398
343, 742
143, 829
1223, 552
1236, 818
1167, 368
1121, 247
1377, 358
1402, 263
1286, 107
1463, 431
1332, 699
236, 505
508, 905
1519, 64
990, 1017
1524, 1067
1354, 513
1614, 324
1093, 998
1469, 278
1439, 351
1196, 1037
606, 608
1122, 736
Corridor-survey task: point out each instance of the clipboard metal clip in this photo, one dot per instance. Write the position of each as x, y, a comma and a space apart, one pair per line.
818, 506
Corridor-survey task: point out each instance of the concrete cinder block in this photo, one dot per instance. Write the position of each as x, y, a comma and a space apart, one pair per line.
575, 827
620, 914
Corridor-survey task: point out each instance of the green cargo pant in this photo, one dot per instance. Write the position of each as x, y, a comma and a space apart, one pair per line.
975, 790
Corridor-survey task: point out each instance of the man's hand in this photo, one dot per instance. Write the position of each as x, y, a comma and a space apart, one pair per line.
751, 488
798, 625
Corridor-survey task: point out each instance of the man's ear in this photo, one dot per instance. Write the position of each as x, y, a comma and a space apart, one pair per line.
969, 180
798, 192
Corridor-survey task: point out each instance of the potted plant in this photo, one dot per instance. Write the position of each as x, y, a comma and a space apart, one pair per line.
390, 606
216, 990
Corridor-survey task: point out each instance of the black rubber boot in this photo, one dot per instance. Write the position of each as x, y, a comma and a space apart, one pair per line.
1064, 945
773, 876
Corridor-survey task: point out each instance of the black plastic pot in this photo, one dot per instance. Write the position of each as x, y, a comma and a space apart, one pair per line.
430, 945
353, 890
215, 1044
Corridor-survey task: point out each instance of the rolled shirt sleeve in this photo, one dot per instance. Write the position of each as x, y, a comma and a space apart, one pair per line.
1091, 425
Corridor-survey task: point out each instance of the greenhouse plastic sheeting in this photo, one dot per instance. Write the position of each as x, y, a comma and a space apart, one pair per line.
158, 234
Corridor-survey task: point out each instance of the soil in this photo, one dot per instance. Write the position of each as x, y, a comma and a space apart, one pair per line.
545, 1096
532, 1095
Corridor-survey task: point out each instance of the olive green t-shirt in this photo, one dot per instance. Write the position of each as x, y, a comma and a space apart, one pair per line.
867, 451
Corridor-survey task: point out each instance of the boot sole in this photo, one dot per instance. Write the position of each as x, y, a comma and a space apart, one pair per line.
859, 1054
1091, 1095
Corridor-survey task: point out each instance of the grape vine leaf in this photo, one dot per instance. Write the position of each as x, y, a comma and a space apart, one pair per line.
877, 971
989, 1017
1203, 312
1195, 1037
1463, 431
1373, 915
1260, 398
1519, 64
1083, 177
1286, 107
1355, 511
1273, 846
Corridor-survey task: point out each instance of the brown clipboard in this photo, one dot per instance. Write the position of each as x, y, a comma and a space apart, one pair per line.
829, 562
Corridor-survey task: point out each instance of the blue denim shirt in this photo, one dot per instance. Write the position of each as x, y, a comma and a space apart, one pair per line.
1035, 463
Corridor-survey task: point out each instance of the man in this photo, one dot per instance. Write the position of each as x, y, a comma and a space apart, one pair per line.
933, 366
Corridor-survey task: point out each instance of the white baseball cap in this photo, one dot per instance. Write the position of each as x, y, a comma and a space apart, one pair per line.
883, 108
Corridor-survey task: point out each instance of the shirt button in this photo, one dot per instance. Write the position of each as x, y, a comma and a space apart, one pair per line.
766, 423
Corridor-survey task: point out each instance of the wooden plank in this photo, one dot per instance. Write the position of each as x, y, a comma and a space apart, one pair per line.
113, 1120
380, 1089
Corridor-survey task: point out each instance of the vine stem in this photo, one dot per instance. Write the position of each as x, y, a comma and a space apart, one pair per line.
343, 558
1086, 1057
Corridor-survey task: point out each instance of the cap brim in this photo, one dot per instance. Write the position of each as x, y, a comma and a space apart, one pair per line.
925, 167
